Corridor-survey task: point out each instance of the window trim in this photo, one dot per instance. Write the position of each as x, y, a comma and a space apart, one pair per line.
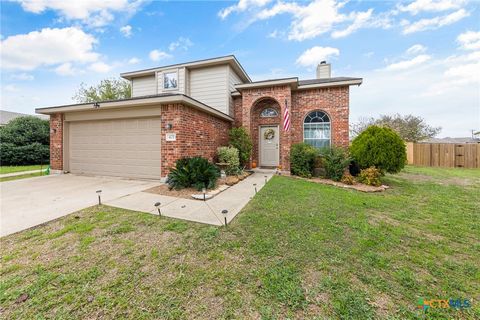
269, 108
329, 123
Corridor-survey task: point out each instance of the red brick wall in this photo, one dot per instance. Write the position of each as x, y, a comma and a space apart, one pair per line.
334, 101
198, 134
56, 141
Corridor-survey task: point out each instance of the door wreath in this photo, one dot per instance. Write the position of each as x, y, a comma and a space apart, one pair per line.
269, 134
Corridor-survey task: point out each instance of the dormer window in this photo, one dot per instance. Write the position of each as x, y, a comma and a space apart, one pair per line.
269, 113
170, 80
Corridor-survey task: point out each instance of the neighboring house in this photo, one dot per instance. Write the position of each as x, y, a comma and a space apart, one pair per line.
7, 116
187, 109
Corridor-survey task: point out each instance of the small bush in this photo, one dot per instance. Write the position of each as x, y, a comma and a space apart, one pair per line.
229, 155
33, 153
336, 161
370, 176
240, 139
380, 147
302, 159
194, 172
347, 179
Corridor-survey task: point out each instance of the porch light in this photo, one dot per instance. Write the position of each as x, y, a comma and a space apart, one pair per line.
224, 212
99, 193
157, 205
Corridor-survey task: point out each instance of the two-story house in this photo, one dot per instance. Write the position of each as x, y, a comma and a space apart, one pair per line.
187, 109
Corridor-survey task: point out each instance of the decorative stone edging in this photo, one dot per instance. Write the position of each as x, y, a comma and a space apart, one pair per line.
358, 186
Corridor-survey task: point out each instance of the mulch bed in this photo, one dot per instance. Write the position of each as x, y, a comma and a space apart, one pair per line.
357, 186
222, 185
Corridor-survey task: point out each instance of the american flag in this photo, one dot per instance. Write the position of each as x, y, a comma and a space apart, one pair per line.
286, 118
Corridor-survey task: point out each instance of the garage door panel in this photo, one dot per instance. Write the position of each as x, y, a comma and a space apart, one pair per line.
124, 147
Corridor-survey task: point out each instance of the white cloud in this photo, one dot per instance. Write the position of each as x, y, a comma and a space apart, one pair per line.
95, 13
407, 64
22, 76
11, 88
182, 43
126, 31
47, 47
416, 49
157, 55
66, 69
315, 55
133, 60
418, 6
434, 23
242, 5
469, 40
312, 19
100, 67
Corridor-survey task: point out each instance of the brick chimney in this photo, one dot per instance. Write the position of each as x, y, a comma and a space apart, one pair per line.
324, 70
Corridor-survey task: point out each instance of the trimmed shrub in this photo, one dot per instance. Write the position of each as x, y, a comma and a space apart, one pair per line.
302, 159
33, 153
379, 147
229, 155
347, 179
336, 160
370, 176
194, 172
240, 139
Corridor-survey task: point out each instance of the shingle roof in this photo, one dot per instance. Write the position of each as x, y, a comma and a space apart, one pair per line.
325, 80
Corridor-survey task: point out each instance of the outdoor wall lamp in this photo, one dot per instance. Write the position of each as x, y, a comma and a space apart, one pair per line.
96, 105
169, 126
224, 212
157, 205
99, 193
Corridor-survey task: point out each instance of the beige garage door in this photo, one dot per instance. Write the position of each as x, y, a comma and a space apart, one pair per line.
120, 147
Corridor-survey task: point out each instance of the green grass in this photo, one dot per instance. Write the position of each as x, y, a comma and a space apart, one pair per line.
299, 250
12, 169
22, 176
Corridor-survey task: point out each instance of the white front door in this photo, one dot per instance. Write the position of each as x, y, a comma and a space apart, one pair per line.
269, 148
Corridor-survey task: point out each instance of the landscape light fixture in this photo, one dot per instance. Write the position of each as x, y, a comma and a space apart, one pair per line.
99, 192
255, 186
204, 191
224, 212
157, 205
265, 179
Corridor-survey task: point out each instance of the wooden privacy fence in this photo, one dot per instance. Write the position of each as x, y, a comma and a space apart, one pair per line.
466, 155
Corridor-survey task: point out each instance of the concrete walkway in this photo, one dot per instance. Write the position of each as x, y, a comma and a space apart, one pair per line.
209, 212
21, 173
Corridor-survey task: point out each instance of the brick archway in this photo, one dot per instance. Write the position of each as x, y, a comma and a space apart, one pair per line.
251, 99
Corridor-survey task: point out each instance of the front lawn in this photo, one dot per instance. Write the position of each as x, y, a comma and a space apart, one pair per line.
298, 250
12, 169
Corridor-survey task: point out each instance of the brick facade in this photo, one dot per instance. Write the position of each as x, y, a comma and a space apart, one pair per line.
198, 134
56, 141
334, 101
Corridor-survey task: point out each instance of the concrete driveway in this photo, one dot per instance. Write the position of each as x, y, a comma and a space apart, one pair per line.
30, 202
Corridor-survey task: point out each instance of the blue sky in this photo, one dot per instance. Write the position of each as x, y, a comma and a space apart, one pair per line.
420, 57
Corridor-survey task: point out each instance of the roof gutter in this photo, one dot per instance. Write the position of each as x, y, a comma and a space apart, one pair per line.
268, 83
151, 101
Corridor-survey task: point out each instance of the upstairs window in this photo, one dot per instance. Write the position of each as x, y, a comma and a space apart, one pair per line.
316, 129
269, 113
170, 80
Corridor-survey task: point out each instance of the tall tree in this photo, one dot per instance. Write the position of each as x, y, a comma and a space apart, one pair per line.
107, 89
409, 127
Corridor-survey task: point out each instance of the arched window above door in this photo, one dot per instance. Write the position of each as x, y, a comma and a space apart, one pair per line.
269, 113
